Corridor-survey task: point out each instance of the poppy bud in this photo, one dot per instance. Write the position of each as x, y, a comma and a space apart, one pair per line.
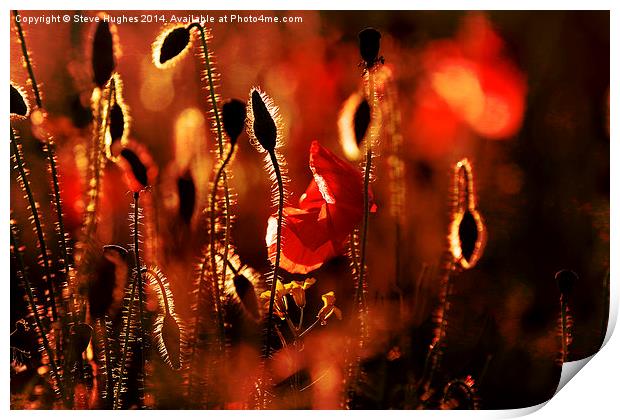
103, 59
80, 337
361, 121
264, 127
370, 41
138, 179
171, 338
233, 115
566, 281
117, 122
187, 196
170, 46
19, 104
247, 295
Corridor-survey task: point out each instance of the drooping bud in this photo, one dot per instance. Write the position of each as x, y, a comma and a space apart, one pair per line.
233, 115
170, 46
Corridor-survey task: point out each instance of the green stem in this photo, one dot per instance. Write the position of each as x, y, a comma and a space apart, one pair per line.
16, 151
276, 266
35, 312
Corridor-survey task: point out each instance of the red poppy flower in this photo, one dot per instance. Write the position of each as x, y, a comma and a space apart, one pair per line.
468, 82
328, 211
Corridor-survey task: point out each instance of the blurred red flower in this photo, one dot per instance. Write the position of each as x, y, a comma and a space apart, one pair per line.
468, 82
328, 211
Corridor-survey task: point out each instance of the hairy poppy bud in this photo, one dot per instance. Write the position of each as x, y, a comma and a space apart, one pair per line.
19, 105
370, 41
233, 115
170, 46
264, 127
103, 59
187, 196
139, 178
361, 121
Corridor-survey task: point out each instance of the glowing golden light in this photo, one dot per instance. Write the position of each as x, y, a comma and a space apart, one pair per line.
346, 129
467, 235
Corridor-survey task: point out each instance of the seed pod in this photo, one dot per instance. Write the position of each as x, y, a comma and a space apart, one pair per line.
263, 127
170, 46
103, 59
467, 232
233, 115
19, 104
246, 293
80, 337
370, 42
171, 338
361, 121
566, 281
187, 196
137, 175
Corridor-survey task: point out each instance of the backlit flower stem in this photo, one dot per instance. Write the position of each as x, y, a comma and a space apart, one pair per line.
136, 244
33, 308
49, 149
19, 165
220, 143
212, 240
22, 41
276, 266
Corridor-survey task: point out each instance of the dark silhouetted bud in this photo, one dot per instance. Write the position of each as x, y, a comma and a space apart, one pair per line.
233, 114
171, 337
187, 196
138, 179
103, 59
265, 129
247, 295
170, 46
80, 337
370, 42
468, 235
117, 122
361, 121
19, 105
566, 281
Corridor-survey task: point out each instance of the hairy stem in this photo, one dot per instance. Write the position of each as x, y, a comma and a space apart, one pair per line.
22, 41
212, 241
35, 312
276, 266
136, 244
19, 164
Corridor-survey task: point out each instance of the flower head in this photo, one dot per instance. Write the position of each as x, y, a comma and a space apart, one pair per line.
328, 211
170, 46
280, 307
19, 104
297, 289
328, 308
104, 51
233, 118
